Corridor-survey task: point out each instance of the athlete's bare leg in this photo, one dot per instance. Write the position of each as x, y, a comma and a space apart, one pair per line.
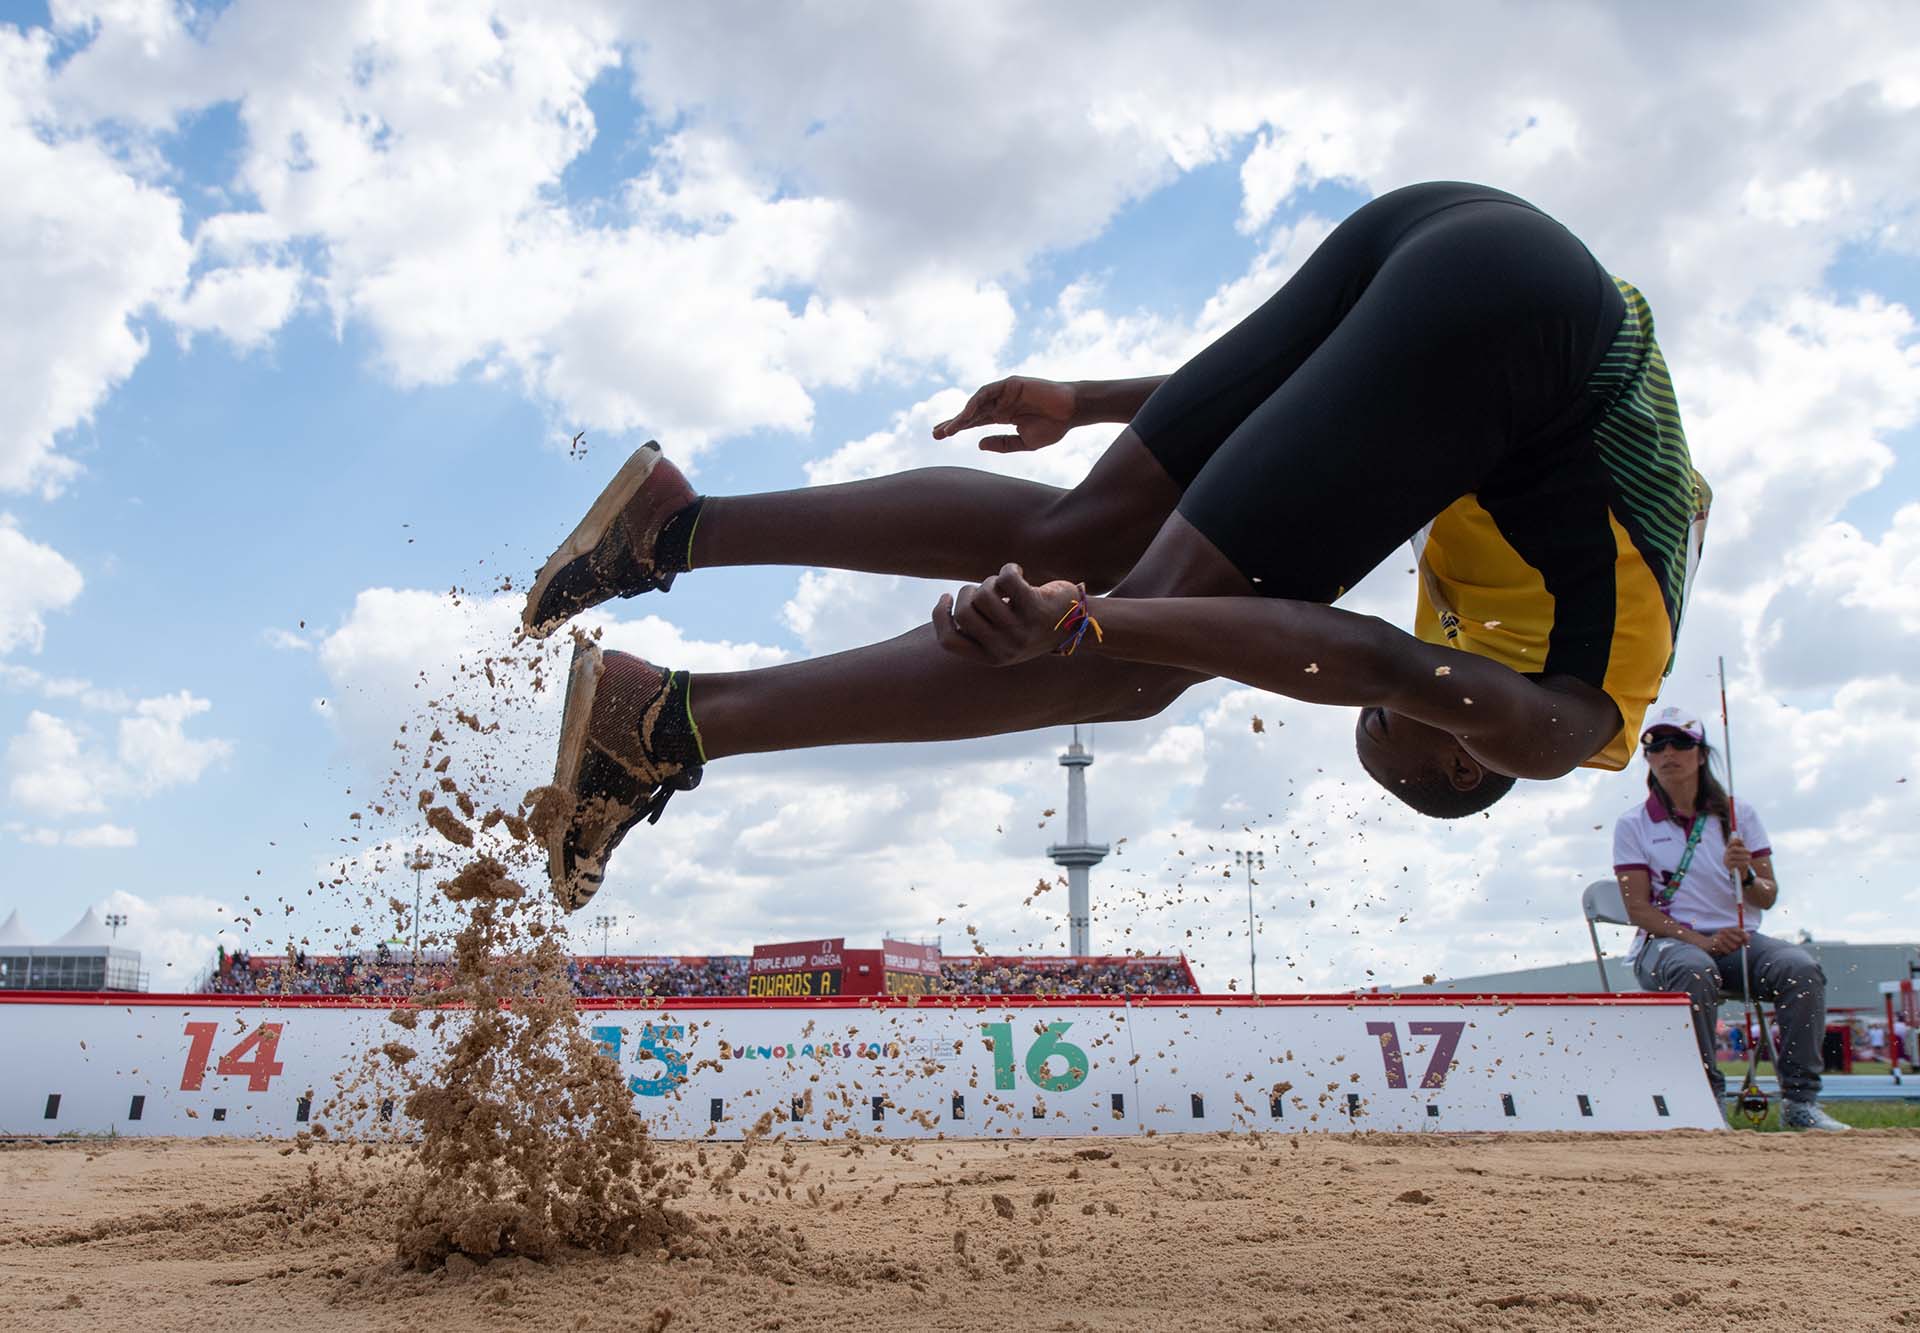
911, 689
951, 522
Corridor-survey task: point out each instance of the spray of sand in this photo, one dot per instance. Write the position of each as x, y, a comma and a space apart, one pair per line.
529, 1144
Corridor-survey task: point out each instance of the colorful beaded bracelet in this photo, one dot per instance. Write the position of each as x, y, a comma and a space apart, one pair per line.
1076, 622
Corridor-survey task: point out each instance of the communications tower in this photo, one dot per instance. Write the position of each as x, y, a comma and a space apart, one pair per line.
1076, 854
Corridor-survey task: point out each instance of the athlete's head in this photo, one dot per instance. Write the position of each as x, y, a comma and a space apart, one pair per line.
1425, 766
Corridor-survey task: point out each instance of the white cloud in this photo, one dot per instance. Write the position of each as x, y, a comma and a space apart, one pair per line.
59, 770
100, 835
836, 200
1810, 196
84, 245
246, 304
816, 221
1789, 415
93, 835
407, 658
177, 934
34, 579
866, 119
286, 640
48, 772
659, 640
85, 692
395, 641
832, 610
155, 751
906, 443
1313, 140
665, 305
1844, 589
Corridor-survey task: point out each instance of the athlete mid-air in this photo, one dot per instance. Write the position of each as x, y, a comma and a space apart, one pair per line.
1450, 367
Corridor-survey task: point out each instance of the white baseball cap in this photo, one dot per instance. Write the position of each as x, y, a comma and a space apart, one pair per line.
1676, 719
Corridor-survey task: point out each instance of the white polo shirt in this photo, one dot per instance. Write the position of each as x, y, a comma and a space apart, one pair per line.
1645, 838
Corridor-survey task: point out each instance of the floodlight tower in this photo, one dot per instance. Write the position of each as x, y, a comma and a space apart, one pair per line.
1076, 853
421, 862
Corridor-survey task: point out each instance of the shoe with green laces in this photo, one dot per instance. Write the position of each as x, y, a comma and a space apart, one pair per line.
627, 744
612, 551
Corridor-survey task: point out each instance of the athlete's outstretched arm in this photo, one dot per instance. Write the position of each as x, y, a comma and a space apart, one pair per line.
1516, 724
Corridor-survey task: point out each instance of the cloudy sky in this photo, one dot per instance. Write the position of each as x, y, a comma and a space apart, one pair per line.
301, 305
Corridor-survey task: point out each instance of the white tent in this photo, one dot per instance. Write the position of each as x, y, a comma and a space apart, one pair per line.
84, 959
89, 932
14, 934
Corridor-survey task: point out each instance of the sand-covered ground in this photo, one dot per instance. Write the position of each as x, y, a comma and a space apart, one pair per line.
1681, 1230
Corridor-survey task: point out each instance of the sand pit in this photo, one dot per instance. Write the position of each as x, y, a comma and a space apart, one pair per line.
1684, 1230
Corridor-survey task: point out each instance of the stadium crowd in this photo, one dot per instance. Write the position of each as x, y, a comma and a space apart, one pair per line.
345, 974
719, 974
386, 973
1066, 976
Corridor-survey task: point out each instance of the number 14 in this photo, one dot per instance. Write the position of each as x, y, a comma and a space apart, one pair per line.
259, 1070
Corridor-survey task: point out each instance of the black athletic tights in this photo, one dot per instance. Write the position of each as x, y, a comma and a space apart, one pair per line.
1440, 337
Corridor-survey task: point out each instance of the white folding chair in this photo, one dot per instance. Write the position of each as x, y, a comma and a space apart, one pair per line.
1602, 902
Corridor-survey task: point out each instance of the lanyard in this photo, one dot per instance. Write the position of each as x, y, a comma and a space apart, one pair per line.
1672, 886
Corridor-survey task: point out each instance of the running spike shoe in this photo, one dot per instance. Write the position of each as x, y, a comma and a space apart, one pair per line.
610, 553
621, 713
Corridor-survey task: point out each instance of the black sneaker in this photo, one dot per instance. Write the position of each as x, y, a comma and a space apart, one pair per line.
610, 552
623, 718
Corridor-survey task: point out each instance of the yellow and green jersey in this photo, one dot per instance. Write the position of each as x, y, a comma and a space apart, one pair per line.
1580, 563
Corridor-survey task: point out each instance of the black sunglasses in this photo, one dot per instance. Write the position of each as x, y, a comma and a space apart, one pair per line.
1655, 744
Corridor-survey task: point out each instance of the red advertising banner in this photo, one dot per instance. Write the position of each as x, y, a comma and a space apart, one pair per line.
799, 956
903, 957
804, 969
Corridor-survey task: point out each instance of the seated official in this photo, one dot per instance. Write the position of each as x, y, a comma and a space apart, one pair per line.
1677, 856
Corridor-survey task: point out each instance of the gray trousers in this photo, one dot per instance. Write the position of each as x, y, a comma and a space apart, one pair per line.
1783, 973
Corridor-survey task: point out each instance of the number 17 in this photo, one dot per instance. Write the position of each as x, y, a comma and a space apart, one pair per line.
1443, 1049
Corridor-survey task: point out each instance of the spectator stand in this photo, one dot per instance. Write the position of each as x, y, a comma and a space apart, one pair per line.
393, 971
1112, 974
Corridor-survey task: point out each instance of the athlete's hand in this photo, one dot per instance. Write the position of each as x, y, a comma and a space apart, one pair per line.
1738, 857
1040, 412
1004, 619
1726, 940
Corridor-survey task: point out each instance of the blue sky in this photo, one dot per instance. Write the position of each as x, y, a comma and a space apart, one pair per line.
265, 488
386, 401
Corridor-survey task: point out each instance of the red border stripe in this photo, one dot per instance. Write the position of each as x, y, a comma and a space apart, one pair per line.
110, 999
